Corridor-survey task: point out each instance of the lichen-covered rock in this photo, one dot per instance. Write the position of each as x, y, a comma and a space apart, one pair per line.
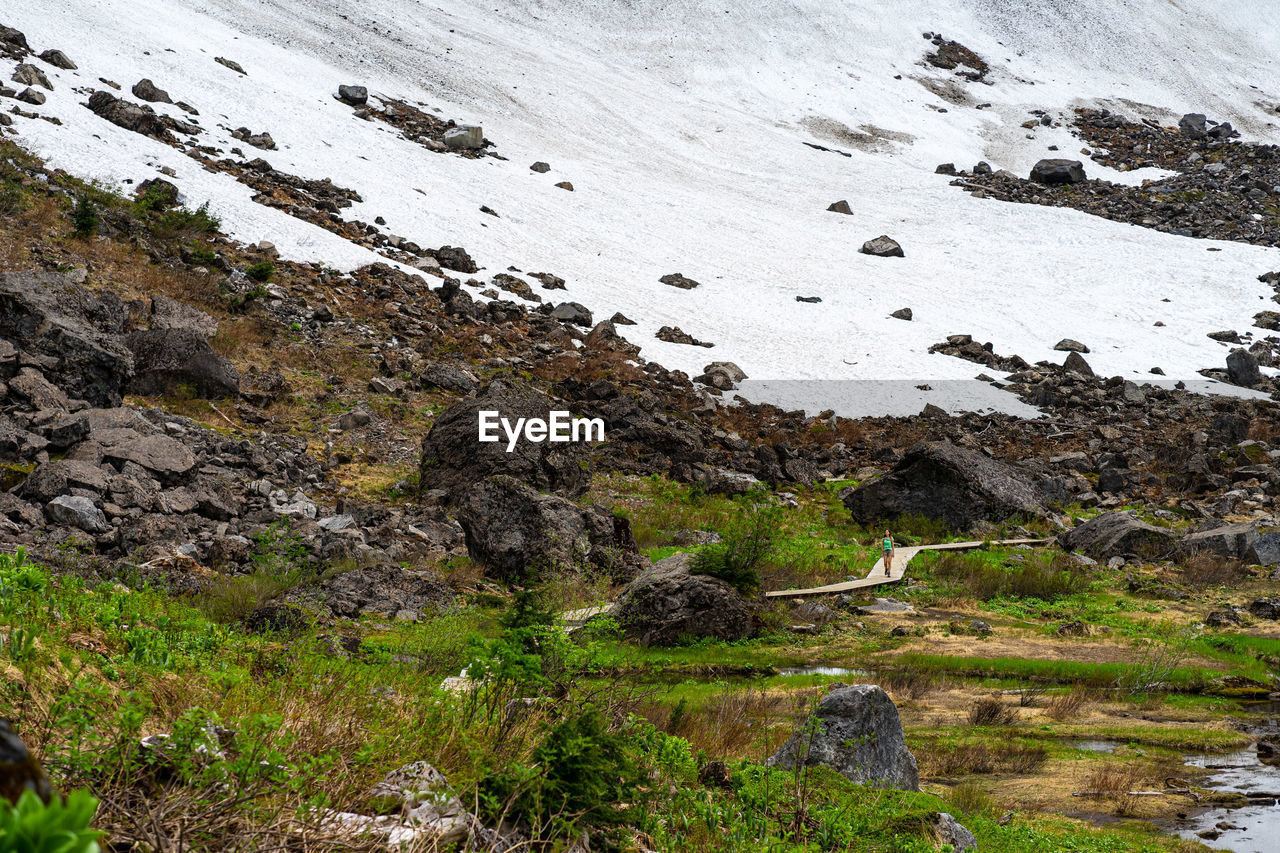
855, 731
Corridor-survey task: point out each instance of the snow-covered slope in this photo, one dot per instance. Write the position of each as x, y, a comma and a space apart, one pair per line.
680, 125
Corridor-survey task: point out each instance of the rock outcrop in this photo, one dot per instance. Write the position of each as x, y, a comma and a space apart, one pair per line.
179, 360
77, 331
954, 484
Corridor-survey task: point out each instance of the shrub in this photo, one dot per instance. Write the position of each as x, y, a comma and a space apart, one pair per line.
1068, 706
186, 224
12, 198
84, 218
261, 272
580, 772
204, 257
991, 712
55, 827
737, 559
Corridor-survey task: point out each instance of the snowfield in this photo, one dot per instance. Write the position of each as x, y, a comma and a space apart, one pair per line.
681, 126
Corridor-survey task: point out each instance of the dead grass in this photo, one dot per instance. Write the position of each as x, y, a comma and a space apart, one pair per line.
992, 711
1205, 568
1112, 781
1070, 705
736, 723
950, 761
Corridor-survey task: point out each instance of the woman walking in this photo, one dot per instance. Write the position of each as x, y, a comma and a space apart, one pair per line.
886, 548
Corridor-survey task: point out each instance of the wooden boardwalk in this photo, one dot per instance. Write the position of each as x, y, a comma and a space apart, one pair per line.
897, 569
876, 577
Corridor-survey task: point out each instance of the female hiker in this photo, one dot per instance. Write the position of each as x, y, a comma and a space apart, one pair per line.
886, 547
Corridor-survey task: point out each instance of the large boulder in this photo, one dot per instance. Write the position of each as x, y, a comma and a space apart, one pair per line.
883, 246
960, 486
1229, 540
1116, 534
76, 511
1193, 125
136, 117
48, 315
1058, 171
148, 91
63, 477
180, 359
514, 531
453, 457
668, 605
1264, 550
947, 830
166, 458
855, 731
1242, 369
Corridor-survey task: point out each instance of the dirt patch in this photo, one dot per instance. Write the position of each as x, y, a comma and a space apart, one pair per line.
1032, 648
867, 137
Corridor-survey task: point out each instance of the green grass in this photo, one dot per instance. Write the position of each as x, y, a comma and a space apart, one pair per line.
1048, 671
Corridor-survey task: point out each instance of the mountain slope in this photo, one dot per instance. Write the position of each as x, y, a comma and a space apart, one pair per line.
681, 127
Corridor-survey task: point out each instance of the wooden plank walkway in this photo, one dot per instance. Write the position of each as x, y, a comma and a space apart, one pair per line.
897, 568
875, 577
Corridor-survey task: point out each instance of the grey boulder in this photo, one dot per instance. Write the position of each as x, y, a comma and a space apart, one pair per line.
516, 533
354, 95
572, 312
170, 360
79, 331
1264, 550
883, 246
855, 731
1228, 540
1242, 369
946, 830
453, 458
1118, 534
145, 90
668, 605
76, 511
1193, 125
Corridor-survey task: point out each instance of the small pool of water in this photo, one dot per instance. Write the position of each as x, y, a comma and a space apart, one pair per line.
838, 671
1107, 746
1254, 828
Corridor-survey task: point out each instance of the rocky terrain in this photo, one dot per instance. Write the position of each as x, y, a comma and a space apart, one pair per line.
264, 588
